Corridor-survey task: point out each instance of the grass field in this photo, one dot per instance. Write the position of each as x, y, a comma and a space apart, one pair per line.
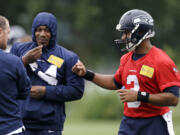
99, 128
91, 128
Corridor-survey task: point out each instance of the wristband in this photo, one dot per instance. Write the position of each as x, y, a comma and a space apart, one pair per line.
143, 96
89, 75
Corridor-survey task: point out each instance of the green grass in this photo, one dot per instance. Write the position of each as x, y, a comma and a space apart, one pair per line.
176, 124
91, 128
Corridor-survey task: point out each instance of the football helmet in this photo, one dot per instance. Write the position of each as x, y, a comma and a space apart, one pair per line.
139, 24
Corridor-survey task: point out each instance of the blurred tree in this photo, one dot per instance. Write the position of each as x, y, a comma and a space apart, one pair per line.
89, 25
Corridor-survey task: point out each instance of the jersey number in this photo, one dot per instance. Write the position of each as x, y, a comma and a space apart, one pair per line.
130, 79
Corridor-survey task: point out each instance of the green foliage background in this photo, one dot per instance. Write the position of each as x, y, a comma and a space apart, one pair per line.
96, 104
88, 26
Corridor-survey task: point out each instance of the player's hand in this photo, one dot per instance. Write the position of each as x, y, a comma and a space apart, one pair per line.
32, 55
38, 92
79, 68
127, 95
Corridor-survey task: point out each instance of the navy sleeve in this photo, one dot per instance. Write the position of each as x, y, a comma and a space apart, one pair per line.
174, 90
23, 82
72, 89
14, 49
117, 84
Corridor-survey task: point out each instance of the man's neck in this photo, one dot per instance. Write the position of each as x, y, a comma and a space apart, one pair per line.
144, 47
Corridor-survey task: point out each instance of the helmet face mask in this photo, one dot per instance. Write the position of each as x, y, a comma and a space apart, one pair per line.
125, 38
139, 25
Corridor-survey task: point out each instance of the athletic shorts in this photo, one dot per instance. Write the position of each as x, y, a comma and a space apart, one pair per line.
159, 125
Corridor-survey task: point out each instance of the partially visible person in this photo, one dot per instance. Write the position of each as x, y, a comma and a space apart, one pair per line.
53, 82
147, 79
15, 34
25, 38
14, 85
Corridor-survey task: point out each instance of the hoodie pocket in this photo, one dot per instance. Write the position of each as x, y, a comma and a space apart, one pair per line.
38, 110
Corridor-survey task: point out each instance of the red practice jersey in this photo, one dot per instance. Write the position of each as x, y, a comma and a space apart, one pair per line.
152, 73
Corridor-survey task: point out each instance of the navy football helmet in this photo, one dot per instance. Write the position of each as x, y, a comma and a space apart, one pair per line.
140, 26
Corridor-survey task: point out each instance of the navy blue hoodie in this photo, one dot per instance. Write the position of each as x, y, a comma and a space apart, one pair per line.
53, 70
14, 85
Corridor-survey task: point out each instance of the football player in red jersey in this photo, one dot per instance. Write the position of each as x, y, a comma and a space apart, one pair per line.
147, 80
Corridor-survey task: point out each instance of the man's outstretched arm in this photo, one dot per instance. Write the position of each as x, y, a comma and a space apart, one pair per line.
105, 81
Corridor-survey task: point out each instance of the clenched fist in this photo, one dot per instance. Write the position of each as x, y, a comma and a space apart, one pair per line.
32, 55
79, 68
38, 92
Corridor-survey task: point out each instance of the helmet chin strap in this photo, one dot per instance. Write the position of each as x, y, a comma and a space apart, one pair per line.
130, 46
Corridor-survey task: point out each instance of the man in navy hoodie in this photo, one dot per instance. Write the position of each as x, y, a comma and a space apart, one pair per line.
14, 84
49, 68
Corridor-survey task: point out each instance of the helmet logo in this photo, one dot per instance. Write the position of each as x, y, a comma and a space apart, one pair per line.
137, 20
143, 20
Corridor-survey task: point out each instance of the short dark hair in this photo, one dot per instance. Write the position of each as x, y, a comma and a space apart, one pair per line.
3, 22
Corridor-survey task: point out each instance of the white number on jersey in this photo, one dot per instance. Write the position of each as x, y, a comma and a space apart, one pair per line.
130, 79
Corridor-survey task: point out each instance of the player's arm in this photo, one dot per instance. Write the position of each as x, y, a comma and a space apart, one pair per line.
167, 77
105, 81
169, 97
23, 81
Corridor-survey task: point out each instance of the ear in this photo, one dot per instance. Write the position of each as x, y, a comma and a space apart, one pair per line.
1, 32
